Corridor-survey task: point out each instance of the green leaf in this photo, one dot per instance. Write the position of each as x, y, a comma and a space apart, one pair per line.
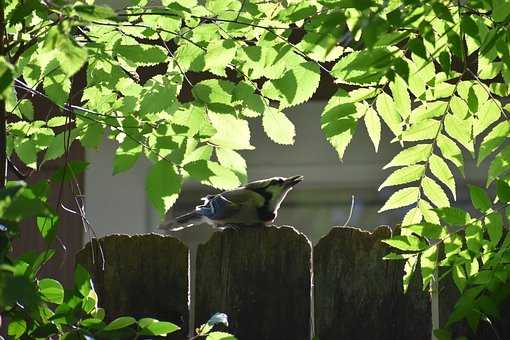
405, 243
494, 224
404, 175
69, 55
388, 111
231, 132
16, 328
278, 127
440, 169
163, 185
339, 121
459, 277
412, 155
139, 54
93, 12
57, 86
126, 155
214, 91
27, 152
425, 129
500, 10
159, 94
57, 146
409, 269
401, 97
26, 109
51, 291
453, 216
296, 86
6, 75
151, 326
373, 124
220, 336
499, 165
451, 151
460, 130
413, 216
82, 280
428, 264
219, 54
365, 67
233, 161
47, 226
119, 323
57, 121
429, 230
479, 198
213, 174
401, 198
503, 191
434, 192
493, 140
489, 112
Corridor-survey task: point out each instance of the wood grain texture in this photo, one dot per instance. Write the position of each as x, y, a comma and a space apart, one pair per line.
143, 276
260, 278
359, 296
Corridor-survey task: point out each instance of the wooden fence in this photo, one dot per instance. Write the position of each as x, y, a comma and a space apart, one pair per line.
267, 280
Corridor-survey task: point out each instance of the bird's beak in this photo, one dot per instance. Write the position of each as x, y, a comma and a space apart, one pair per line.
291, 181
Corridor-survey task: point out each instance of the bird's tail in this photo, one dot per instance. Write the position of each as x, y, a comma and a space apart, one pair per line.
183, 221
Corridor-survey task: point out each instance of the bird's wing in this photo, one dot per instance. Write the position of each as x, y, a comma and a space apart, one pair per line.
227, 203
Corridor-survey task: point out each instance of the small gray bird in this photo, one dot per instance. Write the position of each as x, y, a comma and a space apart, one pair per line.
255, 204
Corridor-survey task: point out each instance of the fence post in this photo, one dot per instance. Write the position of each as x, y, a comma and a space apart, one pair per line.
359, 296
260, 278
143, 276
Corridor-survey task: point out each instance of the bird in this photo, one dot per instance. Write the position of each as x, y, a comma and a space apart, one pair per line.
253, 205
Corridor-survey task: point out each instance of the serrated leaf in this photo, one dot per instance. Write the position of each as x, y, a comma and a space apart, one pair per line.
428, 230
413, 216
57, 121
278, 127
440, 169
499, 165
460, 130
57, 86
428, 264
489, 112
434, 192
451, 151
493, 140
494, 225
401, 198
479, 198
339, 121
139, 54
364, 67
388, 112
373, 125
162, 185
214, 91
231, 132
126, 155
412, 155
27, 152
453, 216
296, 86
459, 277
233, 161
404, 175
405, 243
409, 269
58, 46
213, 174
219, 54
429, 215
428, 110
401, 97
425, 129
26, 109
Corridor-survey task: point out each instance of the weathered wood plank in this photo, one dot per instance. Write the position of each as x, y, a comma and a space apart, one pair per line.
260, 278
143, 276
359, 296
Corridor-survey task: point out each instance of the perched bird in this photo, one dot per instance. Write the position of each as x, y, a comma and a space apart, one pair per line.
255, 204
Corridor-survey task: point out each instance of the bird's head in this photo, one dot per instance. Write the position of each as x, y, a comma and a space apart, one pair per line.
274, 189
